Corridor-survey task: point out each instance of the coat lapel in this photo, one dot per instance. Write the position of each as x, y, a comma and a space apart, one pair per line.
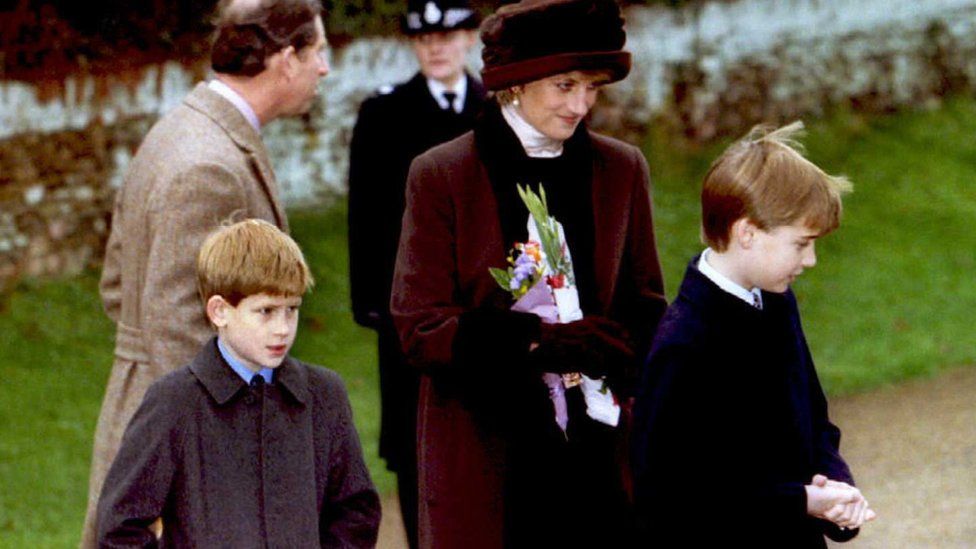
223, 383
215, 375
259, 158
610, 221
294, 379
226, 115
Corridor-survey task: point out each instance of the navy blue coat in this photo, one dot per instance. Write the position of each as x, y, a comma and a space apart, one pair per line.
730, 424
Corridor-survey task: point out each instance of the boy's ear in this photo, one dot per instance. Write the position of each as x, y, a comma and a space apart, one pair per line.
744, 232
217, 310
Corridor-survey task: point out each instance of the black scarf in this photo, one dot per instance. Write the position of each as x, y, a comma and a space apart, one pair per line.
568, 183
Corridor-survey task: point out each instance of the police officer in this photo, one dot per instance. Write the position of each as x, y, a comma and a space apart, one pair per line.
396, 124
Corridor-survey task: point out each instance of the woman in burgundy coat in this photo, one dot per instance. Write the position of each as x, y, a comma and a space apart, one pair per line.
495, 469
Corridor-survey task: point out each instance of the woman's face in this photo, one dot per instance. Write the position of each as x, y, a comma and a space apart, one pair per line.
555, 105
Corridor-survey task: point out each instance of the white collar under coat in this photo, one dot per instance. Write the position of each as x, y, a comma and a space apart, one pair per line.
535, 143
752, 297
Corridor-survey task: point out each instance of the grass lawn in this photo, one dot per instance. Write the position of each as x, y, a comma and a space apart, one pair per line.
890, 299
55, 355
893, 292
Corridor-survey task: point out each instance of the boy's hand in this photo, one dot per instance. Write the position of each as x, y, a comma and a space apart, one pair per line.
837, 502
824, 498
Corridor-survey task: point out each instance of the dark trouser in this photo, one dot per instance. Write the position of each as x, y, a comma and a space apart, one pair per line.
399, 389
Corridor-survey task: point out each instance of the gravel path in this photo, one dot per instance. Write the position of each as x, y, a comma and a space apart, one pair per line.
912, 448
392, 534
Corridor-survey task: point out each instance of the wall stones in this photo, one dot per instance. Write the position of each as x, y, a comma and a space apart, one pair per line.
717, 67
56, 193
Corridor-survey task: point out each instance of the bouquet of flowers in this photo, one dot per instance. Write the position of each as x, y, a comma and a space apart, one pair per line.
540, 278
525, 268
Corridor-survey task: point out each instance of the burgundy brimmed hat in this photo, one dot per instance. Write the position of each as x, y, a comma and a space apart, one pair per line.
425, 16
534, 39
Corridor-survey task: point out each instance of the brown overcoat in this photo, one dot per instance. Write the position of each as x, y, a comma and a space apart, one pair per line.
451, 236
199, 165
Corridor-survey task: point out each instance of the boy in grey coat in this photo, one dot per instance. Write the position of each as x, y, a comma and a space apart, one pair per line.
200, 164
246, 446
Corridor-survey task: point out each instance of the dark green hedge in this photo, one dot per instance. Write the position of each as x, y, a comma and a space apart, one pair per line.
46, 38
349, 19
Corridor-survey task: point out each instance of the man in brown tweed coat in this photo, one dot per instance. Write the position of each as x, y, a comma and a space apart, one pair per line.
201, 164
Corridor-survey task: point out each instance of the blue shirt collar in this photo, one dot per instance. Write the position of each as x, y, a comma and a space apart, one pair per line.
235, 98
246, 373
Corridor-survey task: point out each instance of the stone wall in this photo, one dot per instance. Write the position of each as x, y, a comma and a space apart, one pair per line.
717, 68
56, 192
710, 69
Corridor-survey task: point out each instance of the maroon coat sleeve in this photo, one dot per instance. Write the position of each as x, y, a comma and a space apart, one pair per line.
423, 301
444, 313
642, 303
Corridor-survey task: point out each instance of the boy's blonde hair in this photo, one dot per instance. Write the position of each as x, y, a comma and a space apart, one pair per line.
251, 257
764, 178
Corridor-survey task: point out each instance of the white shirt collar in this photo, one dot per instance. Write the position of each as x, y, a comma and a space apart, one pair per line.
235, 98
535, 143
437, 89
752, 297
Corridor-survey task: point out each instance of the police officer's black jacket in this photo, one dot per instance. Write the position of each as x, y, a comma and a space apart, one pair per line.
391, 130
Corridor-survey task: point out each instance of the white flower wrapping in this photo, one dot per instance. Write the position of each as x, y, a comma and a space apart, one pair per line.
600, 403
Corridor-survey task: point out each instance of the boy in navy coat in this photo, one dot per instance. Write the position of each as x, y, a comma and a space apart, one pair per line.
246, 446
730, 411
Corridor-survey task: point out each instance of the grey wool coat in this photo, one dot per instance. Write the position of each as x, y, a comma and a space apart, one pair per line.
200, 164
228, 465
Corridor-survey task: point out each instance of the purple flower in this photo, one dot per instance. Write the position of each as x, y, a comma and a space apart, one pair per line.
524, 259
523, 271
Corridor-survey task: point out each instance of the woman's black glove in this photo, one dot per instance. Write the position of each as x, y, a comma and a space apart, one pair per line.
595, 346
498, 339
493, 374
